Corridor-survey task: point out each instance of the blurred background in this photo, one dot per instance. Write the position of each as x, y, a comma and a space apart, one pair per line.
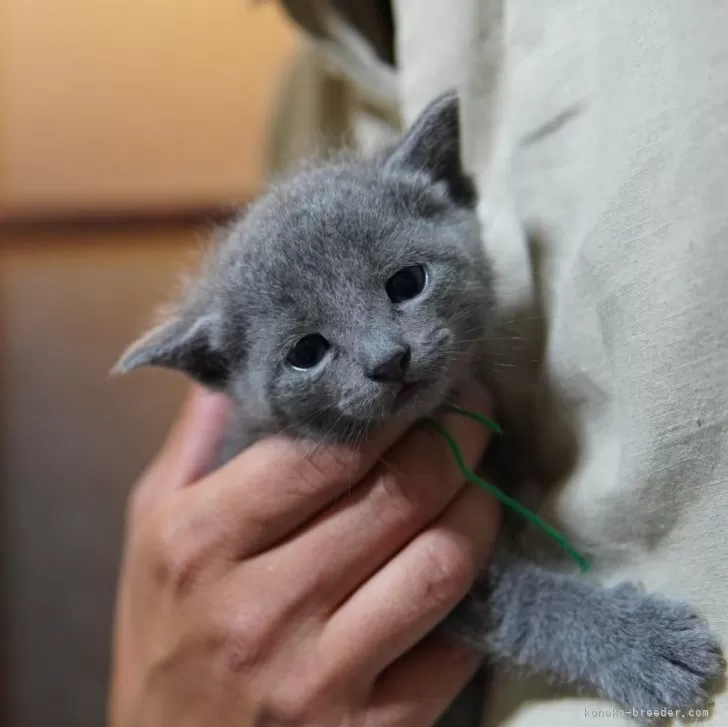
128, 129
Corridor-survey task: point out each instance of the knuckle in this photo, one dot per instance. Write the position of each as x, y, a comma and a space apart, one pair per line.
298, 686
393, 499
448, 567
176, 556
305, 701
398, 497
245, 644
328, 464
293, 707
252, 624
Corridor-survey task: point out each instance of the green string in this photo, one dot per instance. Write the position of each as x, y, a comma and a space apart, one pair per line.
493, 490
489, 423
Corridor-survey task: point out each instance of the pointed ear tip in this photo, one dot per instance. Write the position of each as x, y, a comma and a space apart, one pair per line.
129, 361
121, 367
446, 100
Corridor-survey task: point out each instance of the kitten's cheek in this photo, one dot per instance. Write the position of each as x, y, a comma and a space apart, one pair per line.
445, 337
436, 341
462, 365
444, 345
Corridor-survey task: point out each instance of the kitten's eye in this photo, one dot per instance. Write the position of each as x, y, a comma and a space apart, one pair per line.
406, 284
308, 352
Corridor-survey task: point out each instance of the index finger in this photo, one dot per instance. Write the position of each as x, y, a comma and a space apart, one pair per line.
277, 485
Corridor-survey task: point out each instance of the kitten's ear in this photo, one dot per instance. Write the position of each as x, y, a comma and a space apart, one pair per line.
186, 341
432, 145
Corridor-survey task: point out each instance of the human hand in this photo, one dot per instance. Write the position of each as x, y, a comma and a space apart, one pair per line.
297, 588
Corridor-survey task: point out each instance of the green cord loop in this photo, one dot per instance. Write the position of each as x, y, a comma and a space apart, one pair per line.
489, 423
493, 490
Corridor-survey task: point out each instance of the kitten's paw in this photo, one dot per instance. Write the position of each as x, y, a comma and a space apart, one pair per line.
660, 655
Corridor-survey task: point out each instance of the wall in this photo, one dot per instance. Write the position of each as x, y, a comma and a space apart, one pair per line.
72, 443
132, 104
106, 106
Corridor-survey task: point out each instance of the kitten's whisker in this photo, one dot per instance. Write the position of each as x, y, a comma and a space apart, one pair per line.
520, 319
464, 313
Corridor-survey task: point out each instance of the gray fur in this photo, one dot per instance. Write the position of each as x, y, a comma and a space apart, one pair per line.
313, 256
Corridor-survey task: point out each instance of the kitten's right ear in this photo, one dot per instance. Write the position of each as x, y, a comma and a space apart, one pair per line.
186, 342
432, 145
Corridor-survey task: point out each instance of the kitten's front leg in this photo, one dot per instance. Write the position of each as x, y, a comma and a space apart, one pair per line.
640, 650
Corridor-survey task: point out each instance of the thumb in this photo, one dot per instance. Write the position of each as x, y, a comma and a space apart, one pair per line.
193, 441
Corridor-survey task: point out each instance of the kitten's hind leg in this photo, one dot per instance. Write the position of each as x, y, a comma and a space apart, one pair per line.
640, 650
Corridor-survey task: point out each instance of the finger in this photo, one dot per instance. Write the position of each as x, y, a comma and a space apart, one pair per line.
402, 602
274, 487
418, 688
415, 483
192, 442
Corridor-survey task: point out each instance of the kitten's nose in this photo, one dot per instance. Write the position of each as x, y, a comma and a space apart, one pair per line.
393, 367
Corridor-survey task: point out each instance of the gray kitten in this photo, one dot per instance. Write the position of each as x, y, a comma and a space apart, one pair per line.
358, 291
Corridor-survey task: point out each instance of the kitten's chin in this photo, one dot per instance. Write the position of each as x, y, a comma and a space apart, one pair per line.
427, 399
419, 400
414, 402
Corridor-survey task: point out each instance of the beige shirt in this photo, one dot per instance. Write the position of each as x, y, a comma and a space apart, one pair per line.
598, 135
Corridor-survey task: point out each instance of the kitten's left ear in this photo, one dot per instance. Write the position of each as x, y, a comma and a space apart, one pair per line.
186, 342
432, 145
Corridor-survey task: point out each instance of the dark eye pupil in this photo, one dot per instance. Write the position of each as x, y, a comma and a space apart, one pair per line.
406, 284
308, 351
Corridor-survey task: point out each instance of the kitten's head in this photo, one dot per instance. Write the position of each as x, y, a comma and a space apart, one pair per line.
347, 295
